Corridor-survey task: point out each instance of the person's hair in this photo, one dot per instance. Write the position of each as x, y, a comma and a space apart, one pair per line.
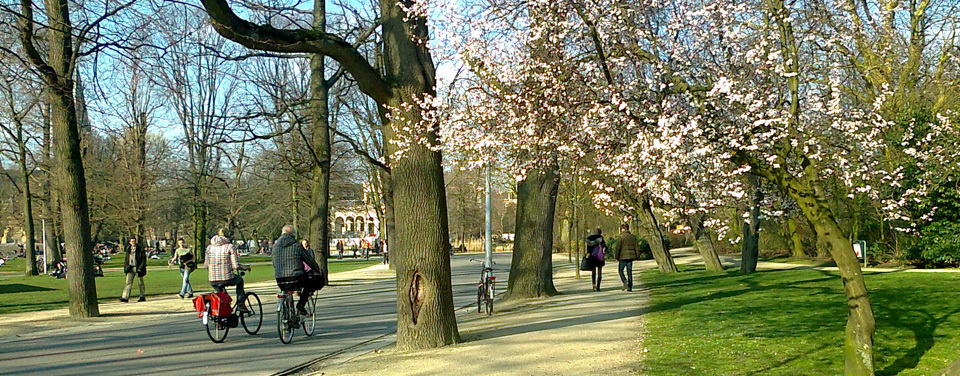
225, 232
181, 240
599, 231
624, 227
288, 230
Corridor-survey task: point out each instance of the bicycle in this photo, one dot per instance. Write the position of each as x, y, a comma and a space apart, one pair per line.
288, 319
485, 288
219, 326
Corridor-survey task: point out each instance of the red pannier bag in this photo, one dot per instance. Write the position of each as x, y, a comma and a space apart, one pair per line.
219, 304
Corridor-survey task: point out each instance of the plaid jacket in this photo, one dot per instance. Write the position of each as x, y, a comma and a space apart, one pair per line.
222, 260
288, 258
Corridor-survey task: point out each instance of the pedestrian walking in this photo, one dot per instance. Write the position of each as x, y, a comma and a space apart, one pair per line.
386, 252
184, 257
339, 249
596, 248
135, 266
627, 251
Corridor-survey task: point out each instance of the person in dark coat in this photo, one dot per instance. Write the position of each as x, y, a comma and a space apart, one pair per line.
289, 258
134, 266
627, 251
596, 248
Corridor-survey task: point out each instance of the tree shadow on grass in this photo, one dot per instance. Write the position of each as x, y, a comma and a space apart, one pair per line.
592, 318
924, 325
19, 287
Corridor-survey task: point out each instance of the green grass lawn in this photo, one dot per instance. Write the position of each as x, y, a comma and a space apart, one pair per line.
800, 261
792, 322
27, 294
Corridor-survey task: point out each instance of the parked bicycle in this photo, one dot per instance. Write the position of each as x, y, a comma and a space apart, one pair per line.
288, 319
218, 320
486, 288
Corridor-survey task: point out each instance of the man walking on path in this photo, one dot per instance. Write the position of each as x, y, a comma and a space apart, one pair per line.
626, 252
135, 267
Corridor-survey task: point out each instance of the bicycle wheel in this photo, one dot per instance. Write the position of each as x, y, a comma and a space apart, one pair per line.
284, 314
489, 297
254, 319
310, 320
480, 296
216, 330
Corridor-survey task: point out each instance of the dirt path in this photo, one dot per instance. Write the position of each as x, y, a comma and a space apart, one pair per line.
580, 332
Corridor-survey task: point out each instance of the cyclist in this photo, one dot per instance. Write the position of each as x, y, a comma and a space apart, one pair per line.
223, 266
289, 258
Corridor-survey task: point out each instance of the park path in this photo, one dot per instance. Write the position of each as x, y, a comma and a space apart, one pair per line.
164, 336
579, 332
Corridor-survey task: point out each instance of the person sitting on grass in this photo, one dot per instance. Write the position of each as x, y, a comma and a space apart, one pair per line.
223, 267
289, 258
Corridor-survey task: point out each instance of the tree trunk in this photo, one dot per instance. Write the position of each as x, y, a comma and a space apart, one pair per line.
811, 197
28, 229
421, 252
660, 252
531, 272
796, 239
295, 199
401, 86
49, 202
320, 197
199, 228
425, 315
389, 218
823, 249
858, 344
750, 243
704, 243
73, 194
71, 182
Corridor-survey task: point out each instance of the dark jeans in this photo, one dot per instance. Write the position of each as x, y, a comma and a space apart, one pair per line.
302, 283
596, 274
219, 286
628, 278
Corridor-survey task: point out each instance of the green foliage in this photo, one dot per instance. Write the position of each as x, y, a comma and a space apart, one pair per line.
939, 245
792, 323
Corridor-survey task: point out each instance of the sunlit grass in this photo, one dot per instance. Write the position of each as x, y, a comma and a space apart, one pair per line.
791, 323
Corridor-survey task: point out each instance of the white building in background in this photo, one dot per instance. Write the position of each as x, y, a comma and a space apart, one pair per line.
358, 221
356, 218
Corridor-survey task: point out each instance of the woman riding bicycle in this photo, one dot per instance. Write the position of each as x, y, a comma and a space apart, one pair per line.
223, 266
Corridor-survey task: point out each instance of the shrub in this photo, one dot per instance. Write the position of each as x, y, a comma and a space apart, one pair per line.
939, 244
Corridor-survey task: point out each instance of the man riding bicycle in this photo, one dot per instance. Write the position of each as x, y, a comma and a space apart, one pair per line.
289, 258
223, 267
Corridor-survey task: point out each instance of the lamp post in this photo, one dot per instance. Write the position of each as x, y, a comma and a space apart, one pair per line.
488, 238
43, 224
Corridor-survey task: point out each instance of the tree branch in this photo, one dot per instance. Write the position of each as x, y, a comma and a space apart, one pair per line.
269, 38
